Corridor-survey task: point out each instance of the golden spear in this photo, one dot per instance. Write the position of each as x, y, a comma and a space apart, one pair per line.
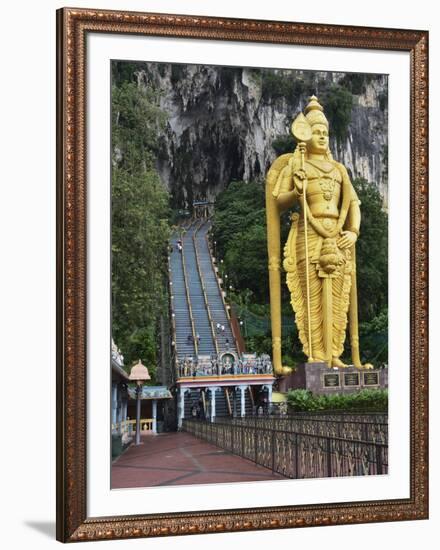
302, 132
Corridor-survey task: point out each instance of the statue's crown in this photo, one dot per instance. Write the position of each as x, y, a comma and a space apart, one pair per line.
315, 112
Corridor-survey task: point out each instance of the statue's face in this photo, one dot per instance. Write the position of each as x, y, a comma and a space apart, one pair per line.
319, 141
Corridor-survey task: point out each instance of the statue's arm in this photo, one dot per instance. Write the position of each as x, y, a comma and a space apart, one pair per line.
287, 195
353, 221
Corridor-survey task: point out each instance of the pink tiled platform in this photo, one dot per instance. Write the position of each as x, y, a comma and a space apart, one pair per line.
182, 459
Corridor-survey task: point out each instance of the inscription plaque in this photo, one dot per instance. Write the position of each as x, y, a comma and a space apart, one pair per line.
371, 378
351, 379
331, 380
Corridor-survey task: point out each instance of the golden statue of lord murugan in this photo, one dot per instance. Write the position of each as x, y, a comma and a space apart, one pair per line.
319, 255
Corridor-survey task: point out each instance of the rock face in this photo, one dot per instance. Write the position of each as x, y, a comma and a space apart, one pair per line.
223, 123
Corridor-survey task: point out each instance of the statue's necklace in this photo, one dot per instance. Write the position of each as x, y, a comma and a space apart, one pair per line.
326, 182
327, 187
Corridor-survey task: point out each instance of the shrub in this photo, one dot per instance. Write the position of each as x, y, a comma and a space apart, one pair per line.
367, 400
302, 400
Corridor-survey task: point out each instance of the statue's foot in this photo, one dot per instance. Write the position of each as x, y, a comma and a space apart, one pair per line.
282, 371
336, 362
362, 367
317, 358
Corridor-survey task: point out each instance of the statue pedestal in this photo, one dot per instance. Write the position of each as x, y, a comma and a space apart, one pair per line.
320, 379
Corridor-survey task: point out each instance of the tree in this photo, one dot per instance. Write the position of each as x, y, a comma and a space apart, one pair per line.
140, 226
140, 234
246, 261
371, 252
235, 210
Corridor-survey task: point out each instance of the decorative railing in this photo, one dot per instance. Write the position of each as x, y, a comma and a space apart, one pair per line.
120, 427
146, 424
370, 431
293, 454
128, 427
343, 416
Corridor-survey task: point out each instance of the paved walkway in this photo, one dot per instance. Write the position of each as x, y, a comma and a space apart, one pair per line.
182, 459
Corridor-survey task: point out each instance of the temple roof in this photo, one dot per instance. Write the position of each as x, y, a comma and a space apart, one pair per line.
118, 371
151, 392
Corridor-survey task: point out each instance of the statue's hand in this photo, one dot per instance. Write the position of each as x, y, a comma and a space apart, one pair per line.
298, 178
302, 147
347, 239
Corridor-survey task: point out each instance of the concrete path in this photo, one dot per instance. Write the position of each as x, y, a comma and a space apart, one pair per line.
182, 459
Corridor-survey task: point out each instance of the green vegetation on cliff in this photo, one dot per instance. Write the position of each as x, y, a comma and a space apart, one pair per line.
338, 103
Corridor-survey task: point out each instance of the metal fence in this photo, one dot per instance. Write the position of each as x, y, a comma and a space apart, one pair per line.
363, 428
294, 454
354, 415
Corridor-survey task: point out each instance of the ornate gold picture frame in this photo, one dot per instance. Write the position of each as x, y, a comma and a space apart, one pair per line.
74, 217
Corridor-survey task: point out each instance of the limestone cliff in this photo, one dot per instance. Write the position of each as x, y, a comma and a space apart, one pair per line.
224, 123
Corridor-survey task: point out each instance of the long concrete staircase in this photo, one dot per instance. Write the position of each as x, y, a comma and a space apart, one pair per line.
197, 302
185, 347
200, 308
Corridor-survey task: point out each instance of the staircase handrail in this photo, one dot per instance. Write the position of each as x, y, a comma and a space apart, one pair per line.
228, 401
196, 348
205, 298
173, 323
202, 392
225, 305
251, 395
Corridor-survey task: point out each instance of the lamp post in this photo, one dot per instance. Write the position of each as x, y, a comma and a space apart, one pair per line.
139, 374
